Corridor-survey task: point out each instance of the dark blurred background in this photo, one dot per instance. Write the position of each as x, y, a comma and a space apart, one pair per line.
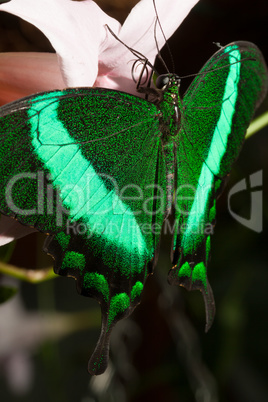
161, 353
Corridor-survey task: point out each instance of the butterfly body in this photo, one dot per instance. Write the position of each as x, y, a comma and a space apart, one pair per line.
99, 171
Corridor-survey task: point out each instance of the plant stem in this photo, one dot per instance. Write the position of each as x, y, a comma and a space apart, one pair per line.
257, 124
28, 275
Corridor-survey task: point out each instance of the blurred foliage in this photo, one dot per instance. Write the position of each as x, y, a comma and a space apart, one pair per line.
6, 293
161, 352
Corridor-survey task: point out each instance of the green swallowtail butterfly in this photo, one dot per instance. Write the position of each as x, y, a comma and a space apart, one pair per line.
100, 170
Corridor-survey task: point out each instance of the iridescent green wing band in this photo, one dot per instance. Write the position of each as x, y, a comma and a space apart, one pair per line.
97, 155
216, 111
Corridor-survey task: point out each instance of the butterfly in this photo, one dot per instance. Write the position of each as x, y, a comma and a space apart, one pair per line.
100, 171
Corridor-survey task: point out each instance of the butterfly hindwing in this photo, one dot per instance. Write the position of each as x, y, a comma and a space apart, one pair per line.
95, 154
216, 111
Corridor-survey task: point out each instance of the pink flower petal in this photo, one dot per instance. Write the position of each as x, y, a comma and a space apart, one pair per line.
10, 230
142, 18
138, 33
78, 33
75, 29
23, 74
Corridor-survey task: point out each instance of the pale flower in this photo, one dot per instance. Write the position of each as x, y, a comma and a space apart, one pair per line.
87, 54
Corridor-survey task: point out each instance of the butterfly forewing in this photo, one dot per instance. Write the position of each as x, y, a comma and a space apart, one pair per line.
96, 154
216, 111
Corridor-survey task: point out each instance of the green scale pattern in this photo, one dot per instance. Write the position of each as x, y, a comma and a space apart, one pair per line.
215, 113
97, 169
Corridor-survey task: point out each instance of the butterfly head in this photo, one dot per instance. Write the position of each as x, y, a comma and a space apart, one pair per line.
165, 81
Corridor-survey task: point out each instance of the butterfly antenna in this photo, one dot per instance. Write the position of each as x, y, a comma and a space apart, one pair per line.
137, 54
141, 59
217, 68
157, 21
